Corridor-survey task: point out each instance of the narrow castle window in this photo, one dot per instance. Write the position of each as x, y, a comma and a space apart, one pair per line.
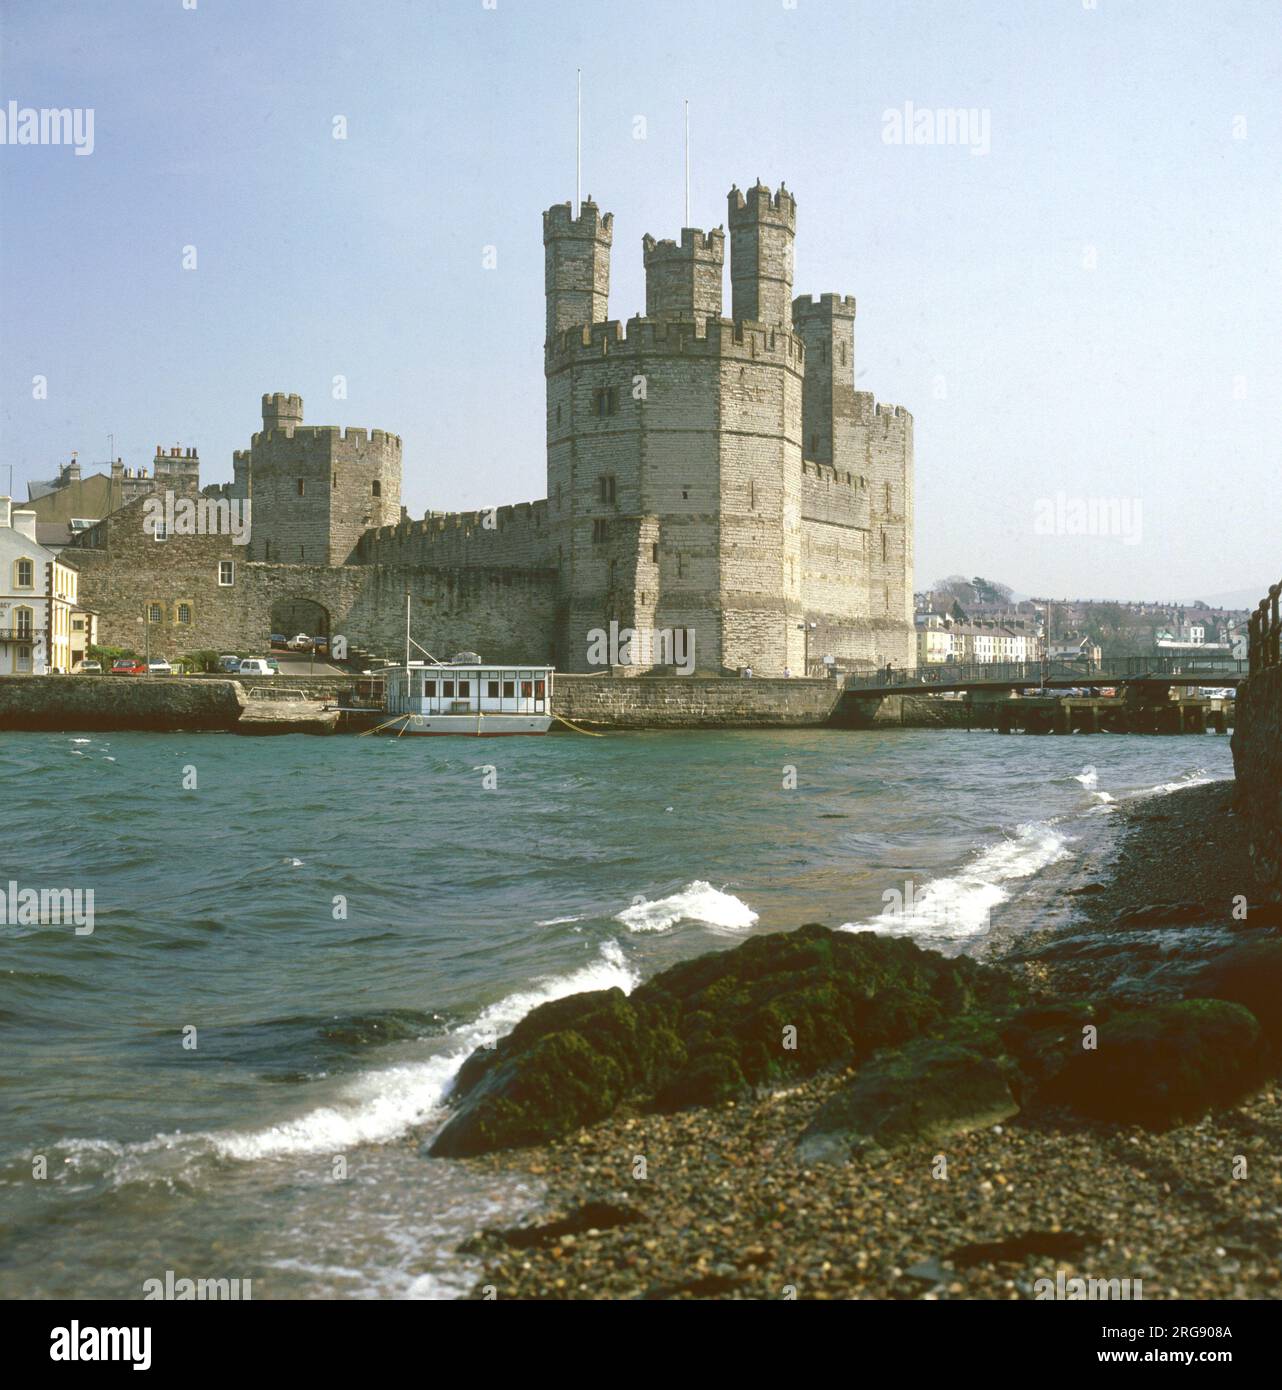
607, 401
654, 553
843, 354
600, 531
300, 487
155, 613
888, 497
302, 552
814, 445
336, 481
184, 614
681, 565
226, 573
883, 547
685, 493
378, 488
160, 531
605, 487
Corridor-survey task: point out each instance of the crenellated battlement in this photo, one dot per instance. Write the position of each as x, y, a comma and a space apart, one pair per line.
518, 534
693, 242
832, 475
559, 220
759, 204
823, 305
687, 337
332, 434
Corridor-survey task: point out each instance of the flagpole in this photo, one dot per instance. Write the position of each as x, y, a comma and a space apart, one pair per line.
686, 223
578, 140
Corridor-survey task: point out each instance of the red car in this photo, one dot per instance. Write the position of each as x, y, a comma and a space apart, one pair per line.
128, 666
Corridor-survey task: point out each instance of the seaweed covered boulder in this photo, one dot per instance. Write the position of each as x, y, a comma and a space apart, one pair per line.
1249, 974
780, 1005
924, 1092
567, 1063
1162, 1063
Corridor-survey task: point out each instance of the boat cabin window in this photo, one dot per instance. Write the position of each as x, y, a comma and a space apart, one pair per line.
447, 688
429, 688
464, 687
509, 690
526, 690
492, 689
540, 689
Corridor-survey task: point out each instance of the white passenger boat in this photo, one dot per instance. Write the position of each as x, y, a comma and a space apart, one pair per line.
467, 696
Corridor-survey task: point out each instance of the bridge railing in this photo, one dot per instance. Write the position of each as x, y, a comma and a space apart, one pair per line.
1265, 631
1080, 671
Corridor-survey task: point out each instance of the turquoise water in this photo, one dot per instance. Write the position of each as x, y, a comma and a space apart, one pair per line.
341, 920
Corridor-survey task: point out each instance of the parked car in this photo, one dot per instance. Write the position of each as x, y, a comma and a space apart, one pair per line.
230, 664
91, 668
158, 666
278, 640
301, 643
320, 645
274, 664
255, 666
128, 666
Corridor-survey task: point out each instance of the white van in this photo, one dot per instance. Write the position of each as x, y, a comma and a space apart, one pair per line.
255, 666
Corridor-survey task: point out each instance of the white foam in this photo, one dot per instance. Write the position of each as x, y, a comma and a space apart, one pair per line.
384, 1104
696, 902
560, 921
960, 905
1088, 777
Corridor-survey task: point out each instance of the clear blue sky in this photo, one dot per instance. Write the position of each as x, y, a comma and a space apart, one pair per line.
1155, 376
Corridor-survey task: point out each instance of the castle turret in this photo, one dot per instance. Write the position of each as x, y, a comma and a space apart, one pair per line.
763, 228
684, 281
282, 412
827, 327
576, 266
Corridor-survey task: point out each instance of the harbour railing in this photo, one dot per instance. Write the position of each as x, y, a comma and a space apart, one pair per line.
1079, 671
1265, 632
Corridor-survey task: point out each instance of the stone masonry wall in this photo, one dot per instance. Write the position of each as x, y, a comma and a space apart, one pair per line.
657, 702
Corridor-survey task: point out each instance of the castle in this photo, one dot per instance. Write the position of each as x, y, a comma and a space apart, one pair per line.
710, 474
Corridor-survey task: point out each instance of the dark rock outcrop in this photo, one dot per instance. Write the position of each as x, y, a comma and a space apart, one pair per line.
1163, 1063
1249, 974
779, 1005
924, 1092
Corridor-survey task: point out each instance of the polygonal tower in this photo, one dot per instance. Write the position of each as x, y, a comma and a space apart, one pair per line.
763, 228
576, 266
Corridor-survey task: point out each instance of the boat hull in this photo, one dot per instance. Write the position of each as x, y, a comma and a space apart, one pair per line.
467, 725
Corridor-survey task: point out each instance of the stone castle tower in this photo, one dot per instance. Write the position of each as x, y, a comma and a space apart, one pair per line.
315, 489
710, 472
721, 473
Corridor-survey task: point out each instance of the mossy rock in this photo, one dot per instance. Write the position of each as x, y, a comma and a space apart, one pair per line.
1162, 1064
778, 1006
925, 1092
567, 1063
1249, 974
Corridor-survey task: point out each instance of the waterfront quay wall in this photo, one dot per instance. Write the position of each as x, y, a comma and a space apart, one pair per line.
79, 704
692, 702
1257, 763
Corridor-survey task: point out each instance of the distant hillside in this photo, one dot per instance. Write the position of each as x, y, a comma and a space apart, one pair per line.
1236, 598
